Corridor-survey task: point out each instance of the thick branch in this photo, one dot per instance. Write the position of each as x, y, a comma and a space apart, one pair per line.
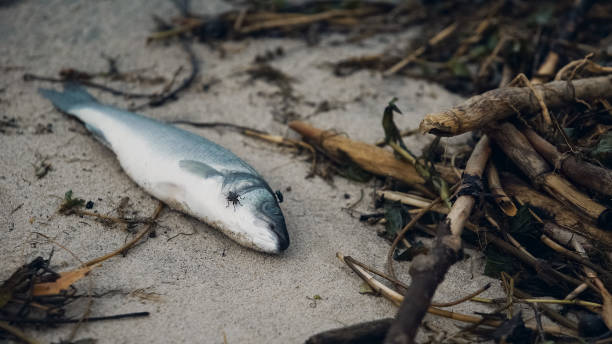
428, 271
363, 333
482, 110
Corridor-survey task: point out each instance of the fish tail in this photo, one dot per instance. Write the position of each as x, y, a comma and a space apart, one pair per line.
71, 97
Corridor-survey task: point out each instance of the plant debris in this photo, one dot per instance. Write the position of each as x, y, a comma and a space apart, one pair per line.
37, 295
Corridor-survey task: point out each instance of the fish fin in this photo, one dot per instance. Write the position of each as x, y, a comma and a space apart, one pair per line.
73, 96
98, 134
199, 168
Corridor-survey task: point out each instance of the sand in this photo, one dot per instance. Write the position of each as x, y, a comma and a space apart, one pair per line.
199, 286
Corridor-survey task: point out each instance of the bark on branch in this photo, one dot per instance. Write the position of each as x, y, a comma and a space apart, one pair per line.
484, 109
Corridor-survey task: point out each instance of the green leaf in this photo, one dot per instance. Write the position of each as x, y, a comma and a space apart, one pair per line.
354, 172
479, 50
603, 150
542, 16
492, 41
411, 252
524, 223
397, 216
458, 68
70, 203
498, 262
365, 288
392, 133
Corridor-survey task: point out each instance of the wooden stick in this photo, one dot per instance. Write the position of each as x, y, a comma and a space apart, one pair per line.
369, 157
482, 110
563, 216
428, 271
596, 178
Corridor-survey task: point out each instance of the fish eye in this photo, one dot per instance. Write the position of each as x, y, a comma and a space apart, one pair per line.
270, 208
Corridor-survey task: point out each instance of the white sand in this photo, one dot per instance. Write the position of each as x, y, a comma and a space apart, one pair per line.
205, 284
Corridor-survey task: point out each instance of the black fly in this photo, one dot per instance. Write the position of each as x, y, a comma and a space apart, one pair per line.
234, 198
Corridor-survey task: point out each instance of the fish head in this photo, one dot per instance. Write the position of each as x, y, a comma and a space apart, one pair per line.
261, 224
245, 208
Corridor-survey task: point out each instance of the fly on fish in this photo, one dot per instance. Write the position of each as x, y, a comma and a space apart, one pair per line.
186, 171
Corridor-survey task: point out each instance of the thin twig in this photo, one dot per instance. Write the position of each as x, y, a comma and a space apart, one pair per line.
72, 321
17, 332
137, 238
403, 232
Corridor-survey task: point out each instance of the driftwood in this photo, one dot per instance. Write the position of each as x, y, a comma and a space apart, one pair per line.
562, 215
363, 333
428, 271
482, 110
373, 159
517, 148
580, 172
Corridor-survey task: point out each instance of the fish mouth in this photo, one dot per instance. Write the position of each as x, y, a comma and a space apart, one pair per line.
282, 237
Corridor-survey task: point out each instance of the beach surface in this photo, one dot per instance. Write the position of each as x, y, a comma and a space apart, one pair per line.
197, 284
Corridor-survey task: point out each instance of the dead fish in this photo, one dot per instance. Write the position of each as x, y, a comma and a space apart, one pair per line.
186, 171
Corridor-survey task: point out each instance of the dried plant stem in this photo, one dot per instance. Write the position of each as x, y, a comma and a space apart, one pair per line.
551, 313
439, 37
521, 80
547, 69
411, 200
428, 271
550, 276
563, 216
577, 291
596, 178
403, 232
519, 150
17, 333
132, 242
397, 299
483, 110
503, 201
373, 159
304, 19
563, 302
573, 256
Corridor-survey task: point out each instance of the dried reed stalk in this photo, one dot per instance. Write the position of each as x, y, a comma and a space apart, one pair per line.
562, 215
580, 172
373, 159
519, 150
